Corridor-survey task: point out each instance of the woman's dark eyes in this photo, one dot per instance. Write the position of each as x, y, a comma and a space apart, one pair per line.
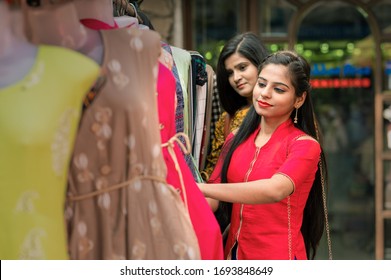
279, 90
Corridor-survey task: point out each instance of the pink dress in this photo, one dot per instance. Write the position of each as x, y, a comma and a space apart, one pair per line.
179, 174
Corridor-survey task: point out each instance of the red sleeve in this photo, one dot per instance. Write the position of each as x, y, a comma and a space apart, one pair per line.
302, 161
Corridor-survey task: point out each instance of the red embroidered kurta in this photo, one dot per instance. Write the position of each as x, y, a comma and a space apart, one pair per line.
272, 231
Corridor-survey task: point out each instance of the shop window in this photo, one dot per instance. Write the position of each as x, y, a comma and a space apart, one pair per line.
386, 55
335, 38
387, 131
387, 245
273, 47
214, 22
382, 13
325, 22
387, 185
274, 17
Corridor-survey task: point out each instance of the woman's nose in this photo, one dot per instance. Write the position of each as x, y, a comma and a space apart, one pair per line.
237, 76
264, 92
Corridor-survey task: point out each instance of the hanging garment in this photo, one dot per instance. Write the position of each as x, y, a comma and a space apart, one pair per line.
206, 132
180, 107
182, 59
119, 204
179, 174
38, 122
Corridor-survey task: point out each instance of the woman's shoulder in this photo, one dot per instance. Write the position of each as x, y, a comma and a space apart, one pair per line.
305, 143
306, 137
299, 138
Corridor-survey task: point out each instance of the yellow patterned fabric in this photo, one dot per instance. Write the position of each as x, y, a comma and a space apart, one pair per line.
39, 117
219, 139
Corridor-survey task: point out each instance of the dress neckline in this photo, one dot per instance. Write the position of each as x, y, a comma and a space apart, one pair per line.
276, 133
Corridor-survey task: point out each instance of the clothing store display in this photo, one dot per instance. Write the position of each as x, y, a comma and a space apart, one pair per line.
119, 204
182, 59
206, 131
39, 116
103, 179
179, 174
180, 107
267, 224
200, 87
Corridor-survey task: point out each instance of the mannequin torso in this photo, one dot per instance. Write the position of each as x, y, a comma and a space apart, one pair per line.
16, 55
96, 9
59, 25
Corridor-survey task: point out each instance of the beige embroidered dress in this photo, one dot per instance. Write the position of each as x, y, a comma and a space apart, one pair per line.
120, 206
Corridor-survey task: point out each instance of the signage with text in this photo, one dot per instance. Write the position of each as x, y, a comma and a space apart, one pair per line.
346, 76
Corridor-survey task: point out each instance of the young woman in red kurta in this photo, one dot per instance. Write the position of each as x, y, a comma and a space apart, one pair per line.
271, 169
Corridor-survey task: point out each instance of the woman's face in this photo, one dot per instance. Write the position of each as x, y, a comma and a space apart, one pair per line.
274, 95
242, 74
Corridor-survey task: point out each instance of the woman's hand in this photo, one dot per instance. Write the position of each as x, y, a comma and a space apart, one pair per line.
202, 187
213, 203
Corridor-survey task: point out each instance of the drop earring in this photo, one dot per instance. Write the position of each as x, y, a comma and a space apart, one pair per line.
295, 119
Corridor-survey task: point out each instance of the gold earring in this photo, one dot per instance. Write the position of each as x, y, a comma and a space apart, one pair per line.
295, 119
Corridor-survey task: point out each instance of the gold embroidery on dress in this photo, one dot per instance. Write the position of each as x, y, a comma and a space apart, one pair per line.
25, 203
156, 224
119, 78
32, 248
35, 77
101, 127
104, 199
81, 163
136, 44
84, 243
60, 146
181, 250
139, 250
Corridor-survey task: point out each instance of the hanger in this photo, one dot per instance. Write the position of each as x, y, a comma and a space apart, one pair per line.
124, 7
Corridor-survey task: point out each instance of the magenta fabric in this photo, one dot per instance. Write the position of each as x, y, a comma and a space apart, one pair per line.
201, 215
97, 24
262, 230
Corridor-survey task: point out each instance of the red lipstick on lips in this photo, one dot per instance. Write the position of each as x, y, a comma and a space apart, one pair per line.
263, 104
240, 86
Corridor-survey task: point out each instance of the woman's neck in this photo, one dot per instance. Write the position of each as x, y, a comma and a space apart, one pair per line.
269, 125
6, 35
56, 25
95, 9
59, 25
17, 56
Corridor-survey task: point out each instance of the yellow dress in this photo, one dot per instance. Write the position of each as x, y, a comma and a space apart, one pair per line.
219, 139
38, 121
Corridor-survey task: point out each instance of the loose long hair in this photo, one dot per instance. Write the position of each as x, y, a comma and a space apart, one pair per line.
251, 47
313, 224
